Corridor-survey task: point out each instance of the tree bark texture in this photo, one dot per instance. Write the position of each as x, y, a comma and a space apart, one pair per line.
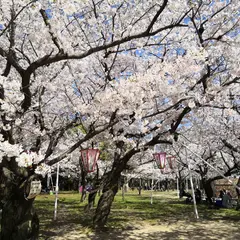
104, 207
19, 219
83, 181
105, 202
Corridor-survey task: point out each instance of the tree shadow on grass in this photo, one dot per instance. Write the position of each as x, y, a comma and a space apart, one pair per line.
197, 233
66, 218
145, 211
71, 216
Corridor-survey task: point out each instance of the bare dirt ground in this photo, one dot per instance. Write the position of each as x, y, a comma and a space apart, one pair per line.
197, 229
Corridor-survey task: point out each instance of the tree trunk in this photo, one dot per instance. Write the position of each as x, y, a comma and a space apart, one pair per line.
209, 189
181, 187
105, 202
110, 186
123, 192
140, 191
125, 187
19, 219
91, 199
104, 207
92, 195
83, 181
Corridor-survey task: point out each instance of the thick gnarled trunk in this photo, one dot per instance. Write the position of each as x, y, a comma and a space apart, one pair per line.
19, 219
104, 207
105, 202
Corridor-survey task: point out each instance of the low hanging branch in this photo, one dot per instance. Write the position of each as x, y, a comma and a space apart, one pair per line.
87, 137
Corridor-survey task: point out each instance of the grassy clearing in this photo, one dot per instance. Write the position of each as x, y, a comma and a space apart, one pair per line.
166, 210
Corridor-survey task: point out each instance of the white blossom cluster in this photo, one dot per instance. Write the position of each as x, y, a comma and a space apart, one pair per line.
8, 150
43, 169
27, 159
147, 78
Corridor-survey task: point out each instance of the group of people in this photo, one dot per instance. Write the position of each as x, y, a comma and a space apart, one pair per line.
224, 200
189, 199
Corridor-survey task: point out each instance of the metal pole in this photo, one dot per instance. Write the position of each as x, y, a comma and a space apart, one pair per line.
194, 199
48, 180
56, 193
152, 193
193, 194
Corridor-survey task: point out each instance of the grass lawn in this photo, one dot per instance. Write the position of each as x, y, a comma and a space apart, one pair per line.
135, 218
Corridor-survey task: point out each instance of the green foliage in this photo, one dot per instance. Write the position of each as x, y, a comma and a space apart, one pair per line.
104, 154
78, 127
104, 147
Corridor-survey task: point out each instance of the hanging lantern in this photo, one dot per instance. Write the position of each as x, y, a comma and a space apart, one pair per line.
155, 166
171, 162
167, 169
89, 159
160, 159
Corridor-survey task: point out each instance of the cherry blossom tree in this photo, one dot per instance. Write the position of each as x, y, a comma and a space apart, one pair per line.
40, 88
213, 136
128, 71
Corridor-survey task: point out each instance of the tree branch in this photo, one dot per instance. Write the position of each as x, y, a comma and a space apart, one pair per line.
48, 59
157, 15
54, 38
